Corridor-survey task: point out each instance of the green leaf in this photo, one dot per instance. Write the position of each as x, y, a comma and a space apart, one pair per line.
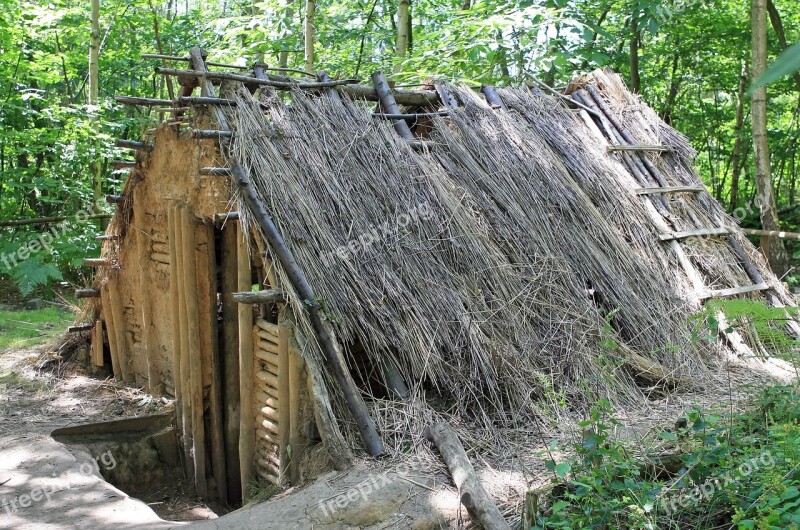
668, 436
562, 469
787, 63
560, 505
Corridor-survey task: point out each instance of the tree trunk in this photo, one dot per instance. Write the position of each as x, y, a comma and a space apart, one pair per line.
403, 24
94, 91
772, 248
777, 25
311, 8
634, 52
737, 143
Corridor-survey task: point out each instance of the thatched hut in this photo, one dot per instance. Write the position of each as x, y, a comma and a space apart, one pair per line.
317, 269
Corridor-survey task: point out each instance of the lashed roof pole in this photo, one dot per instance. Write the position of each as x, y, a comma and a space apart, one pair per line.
334, 359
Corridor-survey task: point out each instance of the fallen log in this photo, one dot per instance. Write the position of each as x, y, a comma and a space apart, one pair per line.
477, 502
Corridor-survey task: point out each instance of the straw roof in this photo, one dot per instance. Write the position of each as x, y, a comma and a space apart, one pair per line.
506, 268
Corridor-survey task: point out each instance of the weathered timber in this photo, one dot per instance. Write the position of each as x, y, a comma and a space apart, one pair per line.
246, 366
670, 189
119, 330
492, 97
227, 216
700, 232
271, 296
123, 164
115, 199
474, 498
211, 134
733, 291
216, 171
108, 237
389, 104
268, 326
87, 293
144, 102
412, 116
194, 377
561, 96
97, 344
194, 100
638, 147
252, 80
285, 330
412, 98
112, 337
97, 262
131, 144
79, 328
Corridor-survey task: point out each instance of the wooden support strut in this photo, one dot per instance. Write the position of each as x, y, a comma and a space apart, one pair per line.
211, 134
252, 80
389, 104
478, 503
333, 355
700, 232
87, 293
131, 144
216, 171
115, 199
268, 296
492, 97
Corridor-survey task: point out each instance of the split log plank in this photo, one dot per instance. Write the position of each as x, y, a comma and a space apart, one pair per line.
246, 367
285, 330
97, 344
194, 377
123, 353
108, 315
474, 498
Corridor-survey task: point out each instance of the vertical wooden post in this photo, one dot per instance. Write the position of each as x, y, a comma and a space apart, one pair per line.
195, 375
230, 360
285, 329
181, 339
246, 368
119, 330
143, 251
108, 314
97, 344
297, 438
205, 254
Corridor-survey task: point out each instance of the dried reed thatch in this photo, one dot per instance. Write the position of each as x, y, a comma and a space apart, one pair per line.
505, 268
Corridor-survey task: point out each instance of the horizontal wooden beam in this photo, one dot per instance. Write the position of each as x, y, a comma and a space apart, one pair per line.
252, 80
97, 262
722, 293
108, 237
227, 216
81, 327
273, 296
221, 65
131, 144
670, 189
115, 199
206, 101
122, 164
211, 134
215, 171
638, 147
700, 232
402, 97
144, 102
772, 233
412, 116
87, 293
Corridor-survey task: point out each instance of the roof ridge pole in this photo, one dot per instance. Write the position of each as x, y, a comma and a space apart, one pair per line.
389, 104
335, 361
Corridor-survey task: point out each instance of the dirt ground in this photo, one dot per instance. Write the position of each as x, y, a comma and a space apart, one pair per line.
45, 484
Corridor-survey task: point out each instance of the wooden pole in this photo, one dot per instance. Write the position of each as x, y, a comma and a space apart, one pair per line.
108, 314
180, 339
205, 253
389, 104
97, 344
254, 81
479, 505
285, 419
246, 369
230, 361
195, 375
119, 330
151, 350
334, 358
267, 296
87, 293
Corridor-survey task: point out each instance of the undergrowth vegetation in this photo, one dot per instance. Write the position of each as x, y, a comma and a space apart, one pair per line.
711, 470
19, 329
